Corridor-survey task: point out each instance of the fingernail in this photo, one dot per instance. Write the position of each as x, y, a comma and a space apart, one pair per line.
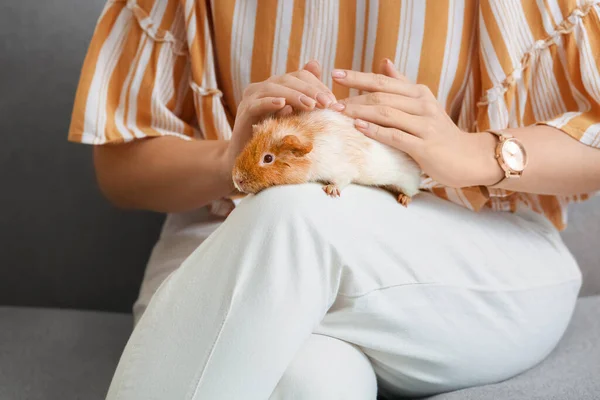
278, 101
361, 124
338, 107
389, 62
308, 102
338, 73
332, 97
324, 99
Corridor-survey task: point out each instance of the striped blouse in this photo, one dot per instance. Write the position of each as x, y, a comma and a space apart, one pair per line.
179, 67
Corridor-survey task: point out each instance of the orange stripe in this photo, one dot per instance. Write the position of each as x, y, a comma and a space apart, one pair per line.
434, 42
223, 15
534, 19
198, 56
136, 69
580, 124
88, 70
345, 43
125, 64
295, 45
264, 36
500, 47
169, 16
561, 78
388, 23
468, 32
366, 33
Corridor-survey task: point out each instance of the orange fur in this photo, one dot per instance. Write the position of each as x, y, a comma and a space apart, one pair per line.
288, 140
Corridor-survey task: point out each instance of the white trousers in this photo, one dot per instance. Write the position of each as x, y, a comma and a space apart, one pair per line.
301, 296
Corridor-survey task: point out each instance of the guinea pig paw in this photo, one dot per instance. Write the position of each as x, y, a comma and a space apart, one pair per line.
404, 199
332, 190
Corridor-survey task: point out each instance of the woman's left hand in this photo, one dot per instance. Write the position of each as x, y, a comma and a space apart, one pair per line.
408, 117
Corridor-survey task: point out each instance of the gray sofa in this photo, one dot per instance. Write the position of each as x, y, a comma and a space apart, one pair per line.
70, 264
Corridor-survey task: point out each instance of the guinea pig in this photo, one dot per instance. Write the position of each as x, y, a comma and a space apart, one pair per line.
322, 146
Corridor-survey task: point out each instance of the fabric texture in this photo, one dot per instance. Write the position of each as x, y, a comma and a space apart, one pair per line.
467, 312
52, 354
570, 372
41, 358
151, 67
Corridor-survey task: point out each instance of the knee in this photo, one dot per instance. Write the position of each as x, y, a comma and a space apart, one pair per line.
327, 369
284, 200
280, 206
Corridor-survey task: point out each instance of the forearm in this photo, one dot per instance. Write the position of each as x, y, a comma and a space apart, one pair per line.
557, 163
164, 174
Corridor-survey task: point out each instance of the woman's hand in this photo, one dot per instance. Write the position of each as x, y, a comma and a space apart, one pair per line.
300, 90
408, 117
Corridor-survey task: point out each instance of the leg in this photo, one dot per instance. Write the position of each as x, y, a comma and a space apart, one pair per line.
399, 193
430, 304
326, 368
334, 189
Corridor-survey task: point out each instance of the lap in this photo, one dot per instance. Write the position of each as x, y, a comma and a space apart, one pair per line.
438, 296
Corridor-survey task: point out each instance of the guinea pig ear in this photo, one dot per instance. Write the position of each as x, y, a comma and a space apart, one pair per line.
293, 144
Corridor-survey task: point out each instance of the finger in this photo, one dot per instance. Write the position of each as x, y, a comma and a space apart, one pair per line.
388, 117
266, 105
309, 85
388, 68
392, 137
375, 83
287, 110
314, 68
295, 98
409, 105
312, 79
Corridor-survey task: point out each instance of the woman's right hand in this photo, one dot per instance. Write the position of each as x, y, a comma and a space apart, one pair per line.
301, 90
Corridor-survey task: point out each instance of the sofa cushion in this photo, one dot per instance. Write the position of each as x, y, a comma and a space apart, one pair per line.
48, 354
65, 354
571, 371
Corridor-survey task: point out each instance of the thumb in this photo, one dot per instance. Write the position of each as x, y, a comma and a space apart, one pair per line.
314, 68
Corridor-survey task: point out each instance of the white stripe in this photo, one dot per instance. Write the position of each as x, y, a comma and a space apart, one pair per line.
319, 36
331, 43
283, 28
508, 32
410, 40
242, 45
546, 17
591, 136
137, 76
95, 109
359, 35
492, 64
555, 10
120, 111
461, 99
371, 35
306, 49
589, 71
451, 50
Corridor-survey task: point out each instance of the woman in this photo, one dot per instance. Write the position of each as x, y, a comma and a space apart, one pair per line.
299, 296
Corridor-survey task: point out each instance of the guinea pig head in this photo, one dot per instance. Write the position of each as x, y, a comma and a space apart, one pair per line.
276, 155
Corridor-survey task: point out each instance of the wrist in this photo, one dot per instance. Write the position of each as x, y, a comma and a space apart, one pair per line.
226, 163
485, 168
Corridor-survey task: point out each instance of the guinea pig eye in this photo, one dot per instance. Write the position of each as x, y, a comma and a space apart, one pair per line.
268, 159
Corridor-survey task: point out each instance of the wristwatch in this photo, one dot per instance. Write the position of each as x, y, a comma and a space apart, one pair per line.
510, 154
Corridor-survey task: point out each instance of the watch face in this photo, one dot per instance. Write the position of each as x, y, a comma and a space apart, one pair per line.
514, 155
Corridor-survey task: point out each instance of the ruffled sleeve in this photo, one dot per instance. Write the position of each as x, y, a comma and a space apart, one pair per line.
579, 71
135, 79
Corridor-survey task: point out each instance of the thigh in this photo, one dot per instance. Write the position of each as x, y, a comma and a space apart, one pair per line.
440, 297
326, 368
